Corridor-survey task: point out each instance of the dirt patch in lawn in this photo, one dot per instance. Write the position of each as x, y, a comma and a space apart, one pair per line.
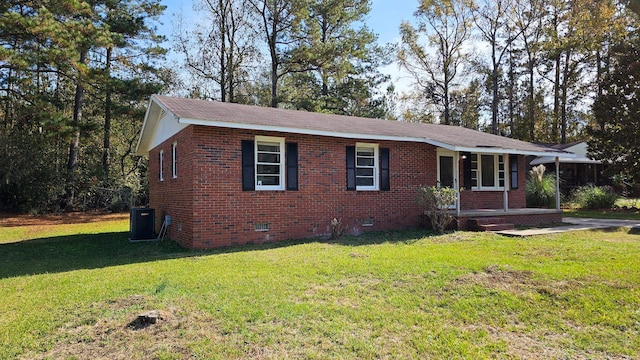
105, 332
10, 220
517, 282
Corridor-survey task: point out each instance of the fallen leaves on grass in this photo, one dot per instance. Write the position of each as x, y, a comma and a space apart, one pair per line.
10, 220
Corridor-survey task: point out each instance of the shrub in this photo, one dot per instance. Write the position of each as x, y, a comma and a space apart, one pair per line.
436, 201
594, 197
540, 188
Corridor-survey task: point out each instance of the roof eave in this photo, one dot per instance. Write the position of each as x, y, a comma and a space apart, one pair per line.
232, 125
359, 136
151, 118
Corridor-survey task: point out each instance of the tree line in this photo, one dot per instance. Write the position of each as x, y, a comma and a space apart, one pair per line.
75, 77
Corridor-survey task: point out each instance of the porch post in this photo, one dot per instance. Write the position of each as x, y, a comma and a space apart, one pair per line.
456, 179
557, 183
505, 194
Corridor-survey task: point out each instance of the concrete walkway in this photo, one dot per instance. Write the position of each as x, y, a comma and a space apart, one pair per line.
576, 225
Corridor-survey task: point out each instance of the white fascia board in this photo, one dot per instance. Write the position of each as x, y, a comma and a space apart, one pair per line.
144, 125
152, 120
148, 122
273, 128
497, 150
564, 160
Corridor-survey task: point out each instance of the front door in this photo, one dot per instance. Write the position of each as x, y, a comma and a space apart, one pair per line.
446, 174
445, 171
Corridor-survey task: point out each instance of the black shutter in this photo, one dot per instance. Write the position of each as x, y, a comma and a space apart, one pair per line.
248, 166
466, 170
384, 169
292, 166
513, 174
351, 167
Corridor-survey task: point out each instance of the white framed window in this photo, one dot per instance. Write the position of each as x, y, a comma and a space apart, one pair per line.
161, 165
269, 165
487, 172
174, 159
366, 166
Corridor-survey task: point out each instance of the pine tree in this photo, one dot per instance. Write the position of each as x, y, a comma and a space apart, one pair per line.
617, 112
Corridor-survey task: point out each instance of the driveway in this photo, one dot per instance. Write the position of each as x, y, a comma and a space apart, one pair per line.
576, 225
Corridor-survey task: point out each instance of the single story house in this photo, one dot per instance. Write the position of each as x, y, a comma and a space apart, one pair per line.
577, 170
230, 174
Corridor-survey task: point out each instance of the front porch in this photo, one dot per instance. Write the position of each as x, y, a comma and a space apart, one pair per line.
517, 217
490, 189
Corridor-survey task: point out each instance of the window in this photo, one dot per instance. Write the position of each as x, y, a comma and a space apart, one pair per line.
263, 164
487, 171
269, 163
174, 159
366, 167
161, 165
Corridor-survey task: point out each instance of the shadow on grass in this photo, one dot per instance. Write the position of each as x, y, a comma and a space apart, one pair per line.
93, 251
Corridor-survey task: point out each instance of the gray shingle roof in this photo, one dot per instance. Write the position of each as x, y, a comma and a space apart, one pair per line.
212, 113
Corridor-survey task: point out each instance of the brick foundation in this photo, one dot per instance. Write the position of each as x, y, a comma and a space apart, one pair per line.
519, 219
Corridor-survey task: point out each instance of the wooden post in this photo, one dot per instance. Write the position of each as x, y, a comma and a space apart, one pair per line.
505, 194
456, 179
557, 183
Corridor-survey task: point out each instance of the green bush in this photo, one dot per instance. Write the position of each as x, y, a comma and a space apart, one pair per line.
594, 197
436, 201
541, 188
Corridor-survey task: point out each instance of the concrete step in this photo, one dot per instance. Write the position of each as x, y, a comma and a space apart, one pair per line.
487, 220
496, 227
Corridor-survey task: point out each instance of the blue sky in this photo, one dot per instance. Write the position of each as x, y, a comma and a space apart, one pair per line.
385, 16
384, 20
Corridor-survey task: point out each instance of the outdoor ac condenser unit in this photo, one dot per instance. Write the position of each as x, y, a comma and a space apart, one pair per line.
142, 224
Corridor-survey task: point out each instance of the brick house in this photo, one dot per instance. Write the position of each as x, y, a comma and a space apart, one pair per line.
231, 174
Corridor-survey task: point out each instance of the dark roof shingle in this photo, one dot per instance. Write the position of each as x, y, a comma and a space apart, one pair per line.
235, 115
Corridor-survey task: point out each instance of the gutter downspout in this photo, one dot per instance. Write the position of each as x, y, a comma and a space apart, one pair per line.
557, 183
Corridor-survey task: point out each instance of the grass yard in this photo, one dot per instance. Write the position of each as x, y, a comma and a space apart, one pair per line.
626, 208
72, 290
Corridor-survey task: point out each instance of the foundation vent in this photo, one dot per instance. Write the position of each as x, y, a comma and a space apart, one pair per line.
262, 227
367, 222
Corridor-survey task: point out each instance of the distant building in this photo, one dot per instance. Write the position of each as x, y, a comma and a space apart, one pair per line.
574, 171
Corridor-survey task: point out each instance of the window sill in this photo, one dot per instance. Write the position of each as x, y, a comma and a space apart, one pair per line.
486, 189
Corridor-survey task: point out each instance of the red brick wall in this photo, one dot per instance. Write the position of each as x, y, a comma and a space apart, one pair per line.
174, 196
226, 215
516, 219
209, 208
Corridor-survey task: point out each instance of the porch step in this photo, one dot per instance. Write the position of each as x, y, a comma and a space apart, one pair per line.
496, 227
490, 224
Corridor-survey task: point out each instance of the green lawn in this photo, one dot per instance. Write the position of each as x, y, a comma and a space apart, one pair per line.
72, 292
631, 211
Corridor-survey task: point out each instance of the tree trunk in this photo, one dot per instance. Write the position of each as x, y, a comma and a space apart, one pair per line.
494, 101
532, 98
556, 86
563, 100
556, 101
510, 90
223, 48
106, 148
72, 164
274, 82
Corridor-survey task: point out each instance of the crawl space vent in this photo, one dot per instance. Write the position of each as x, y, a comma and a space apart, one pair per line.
262, 227
367, 222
